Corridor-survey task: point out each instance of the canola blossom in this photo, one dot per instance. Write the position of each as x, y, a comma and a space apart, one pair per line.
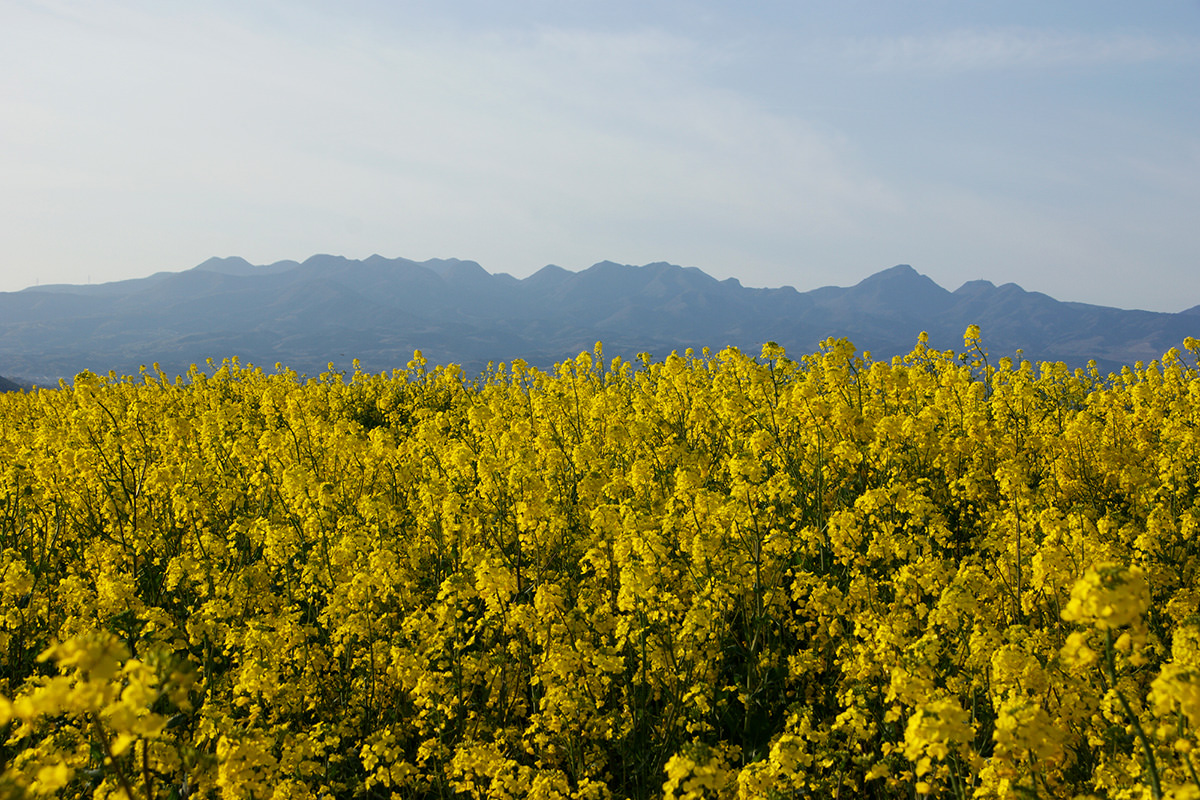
711, 576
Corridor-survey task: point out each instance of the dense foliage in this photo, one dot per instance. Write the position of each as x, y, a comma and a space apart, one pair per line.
711, 576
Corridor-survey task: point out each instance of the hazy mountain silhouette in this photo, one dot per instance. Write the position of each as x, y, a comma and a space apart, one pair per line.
330, 308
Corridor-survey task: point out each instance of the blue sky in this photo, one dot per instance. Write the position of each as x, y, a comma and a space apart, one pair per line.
1055, 145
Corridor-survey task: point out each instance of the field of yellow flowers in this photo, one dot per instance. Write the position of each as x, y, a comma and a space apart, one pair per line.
712, 576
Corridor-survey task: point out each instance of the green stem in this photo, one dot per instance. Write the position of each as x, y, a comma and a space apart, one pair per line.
1187, 759
1155, 787
122, 778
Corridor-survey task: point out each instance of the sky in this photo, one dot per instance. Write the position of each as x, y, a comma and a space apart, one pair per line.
1054, 145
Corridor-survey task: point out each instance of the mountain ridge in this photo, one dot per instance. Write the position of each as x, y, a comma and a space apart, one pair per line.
331, 308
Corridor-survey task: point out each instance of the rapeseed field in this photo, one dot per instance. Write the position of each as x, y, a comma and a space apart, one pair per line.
710, 576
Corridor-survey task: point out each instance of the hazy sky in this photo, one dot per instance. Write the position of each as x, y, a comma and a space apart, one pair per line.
1056, 145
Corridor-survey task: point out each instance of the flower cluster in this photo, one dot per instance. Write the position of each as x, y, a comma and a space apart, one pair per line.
710, 576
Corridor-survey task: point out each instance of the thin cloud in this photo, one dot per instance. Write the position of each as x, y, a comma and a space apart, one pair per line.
1007, 49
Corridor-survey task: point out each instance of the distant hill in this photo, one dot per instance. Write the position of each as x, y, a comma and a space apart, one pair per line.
379, 310
9, 386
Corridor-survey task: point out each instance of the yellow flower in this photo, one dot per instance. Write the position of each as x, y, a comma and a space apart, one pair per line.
936, 728
51, 778
1109, 596
698, 773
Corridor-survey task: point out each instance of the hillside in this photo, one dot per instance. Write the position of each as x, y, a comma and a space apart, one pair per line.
328, 308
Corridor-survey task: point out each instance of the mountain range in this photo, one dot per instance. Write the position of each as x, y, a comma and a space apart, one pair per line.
333, 309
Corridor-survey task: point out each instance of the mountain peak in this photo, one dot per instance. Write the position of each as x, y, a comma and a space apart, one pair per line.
551, 273
975, 289
900, 288
608, 266
900, 272
239, 267
456, 269
231, 265
325, 260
